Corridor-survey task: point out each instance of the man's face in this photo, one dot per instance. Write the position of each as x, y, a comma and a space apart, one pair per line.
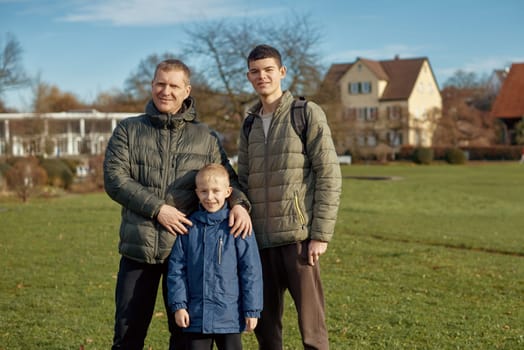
169, 90
266, 77
212, 191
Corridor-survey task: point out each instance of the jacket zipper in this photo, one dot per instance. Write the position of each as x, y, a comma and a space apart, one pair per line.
220, 244
167, 170
266, 172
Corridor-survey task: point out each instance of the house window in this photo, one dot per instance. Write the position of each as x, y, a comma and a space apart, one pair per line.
372, 114
361, 140
367, 114
394, 112
354, 88
366, 87
359, 88
371, 140
394, 138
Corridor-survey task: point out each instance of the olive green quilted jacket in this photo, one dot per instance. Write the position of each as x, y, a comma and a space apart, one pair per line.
294, 194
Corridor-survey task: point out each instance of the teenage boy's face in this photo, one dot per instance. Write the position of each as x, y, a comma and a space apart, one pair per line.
212, 191
265, 75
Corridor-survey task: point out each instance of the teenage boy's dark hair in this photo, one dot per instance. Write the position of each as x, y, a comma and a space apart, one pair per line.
264, 51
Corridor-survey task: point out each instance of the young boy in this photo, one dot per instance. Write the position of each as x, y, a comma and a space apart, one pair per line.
214, 279
294, 186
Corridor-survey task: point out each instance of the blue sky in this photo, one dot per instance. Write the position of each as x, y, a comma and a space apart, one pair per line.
90, 46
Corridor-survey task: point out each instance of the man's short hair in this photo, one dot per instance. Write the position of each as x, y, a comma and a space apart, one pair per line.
174, 64
264, 51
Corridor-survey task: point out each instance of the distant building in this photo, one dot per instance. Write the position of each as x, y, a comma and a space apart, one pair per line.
509, 103
384, 104
57, 134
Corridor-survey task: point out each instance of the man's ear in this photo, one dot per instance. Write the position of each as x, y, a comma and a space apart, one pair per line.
188, 91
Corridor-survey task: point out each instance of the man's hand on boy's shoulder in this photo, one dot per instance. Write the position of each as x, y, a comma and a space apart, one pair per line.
173, 220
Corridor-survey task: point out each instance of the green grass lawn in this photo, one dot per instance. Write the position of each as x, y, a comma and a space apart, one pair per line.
433, 259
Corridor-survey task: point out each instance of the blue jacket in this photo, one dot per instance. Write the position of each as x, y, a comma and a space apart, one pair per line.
215, 276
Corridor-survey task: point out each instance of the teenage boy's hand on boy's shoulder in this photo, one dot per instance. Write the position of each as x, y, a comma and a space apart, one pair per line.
240, 221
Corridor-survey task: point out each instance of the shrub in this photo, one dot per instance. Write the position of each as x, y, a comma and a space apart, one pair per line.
455, 156
25, 177
59, 173
423, 155
498, 152
4, 167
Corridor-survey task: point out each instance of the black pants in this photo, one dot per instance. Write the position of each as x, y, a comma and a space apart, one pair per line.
199, 341
135, 297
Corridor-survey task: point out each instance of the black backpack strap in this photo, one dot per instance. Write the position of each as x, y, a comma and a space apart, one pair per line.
298, 119
248, 124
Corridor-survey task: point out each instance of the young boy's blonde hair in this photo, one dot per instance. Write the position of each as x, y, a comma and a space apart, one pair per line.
212, 170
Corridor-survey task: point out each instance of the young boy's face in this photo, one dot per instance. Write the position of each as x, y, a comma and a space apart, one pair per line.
265, 75
212, 191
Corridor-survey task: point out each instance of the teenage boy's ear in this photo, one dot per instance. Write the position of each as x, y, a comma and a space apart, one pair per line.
283, 71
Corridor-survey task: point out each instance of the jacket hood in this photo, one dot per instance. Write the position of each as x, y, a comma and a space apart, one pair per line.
186, 113
205, 217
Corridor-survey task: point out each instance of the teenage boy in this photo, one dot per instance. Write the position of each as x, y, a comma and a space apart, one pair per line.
294, 186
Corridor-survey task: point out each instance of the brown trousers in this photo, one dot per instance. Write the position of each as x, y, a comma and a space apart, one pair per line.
286, 267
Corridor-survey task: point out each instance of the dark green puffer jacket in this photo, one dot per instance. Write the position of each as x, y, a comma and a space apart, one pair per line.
294, 196
151, 160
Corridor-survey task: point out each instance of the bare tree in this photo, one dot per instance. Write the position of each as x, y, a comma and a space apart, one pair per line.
12, 74
463, 80
222, 48
138, 84
464, 122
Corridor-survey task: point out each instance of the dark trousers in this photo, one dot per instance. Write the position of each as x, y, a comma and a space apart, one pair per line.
286, 267
135, 297
199, 341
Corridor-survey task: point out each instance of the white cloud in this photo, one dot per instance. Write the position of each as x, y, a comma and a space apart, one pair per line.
153, 12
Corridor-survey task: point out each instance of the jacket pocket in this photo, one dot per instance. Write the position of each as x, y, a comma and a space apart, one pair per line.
298, 209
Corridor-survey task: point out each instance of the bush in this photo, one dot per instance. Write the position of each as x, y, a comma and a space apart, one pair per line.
26, 177
423, 155
59, 173
498, 152
455, 156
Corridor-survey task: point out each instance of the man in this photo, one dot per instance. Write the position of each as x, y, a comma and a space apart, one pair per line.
149, 169
294, 190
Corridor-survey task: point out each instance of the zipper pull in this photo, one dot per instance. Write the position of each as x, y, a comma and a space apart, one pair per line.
220, 243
